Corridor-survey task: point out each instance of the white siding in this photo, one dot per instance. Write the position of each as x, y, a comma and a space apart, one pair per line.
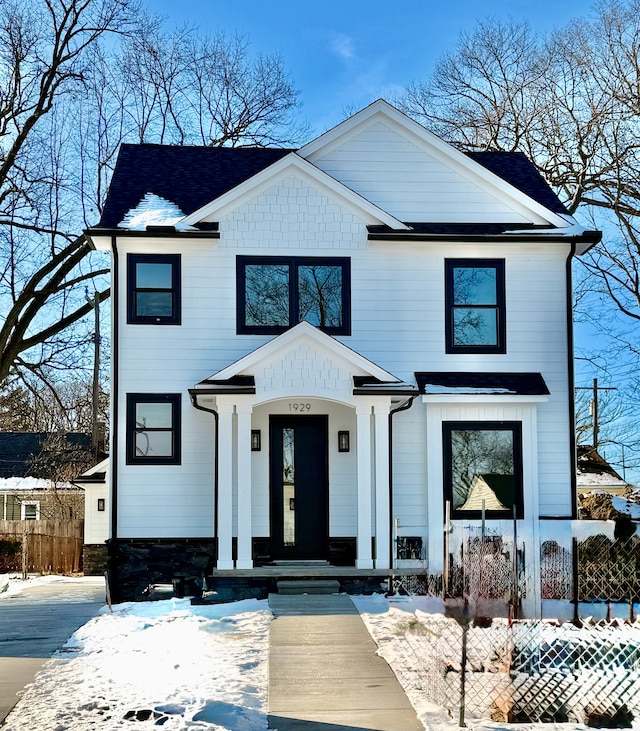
401, 177
398, 315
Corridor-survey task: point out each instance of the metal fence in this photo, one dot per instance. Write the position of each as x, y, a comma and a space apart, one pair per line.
525, 671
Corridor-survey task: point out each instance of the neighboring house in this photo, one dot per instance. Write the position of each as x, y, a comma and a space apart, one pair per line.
95, 485
596, 474
29, 489
315, 350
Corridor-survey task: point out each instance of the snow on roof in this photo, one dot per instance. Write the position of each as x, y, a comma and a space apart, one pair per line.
31, 483
433, 388
599, 478
153, 210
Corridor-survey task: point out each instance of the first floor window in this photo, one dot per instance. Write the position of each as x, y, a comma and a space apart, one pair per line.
475, 303
30, 510
153, 289
275, 293
153, 428
483, 468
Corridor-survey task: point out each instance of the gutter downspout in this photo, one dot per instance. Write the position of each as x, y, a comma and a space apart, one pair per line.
571, 381
115, 380
196, 405
403, 407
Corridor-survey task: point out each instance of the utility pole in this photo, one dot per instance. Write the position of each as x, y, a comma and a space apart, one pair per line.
594, 406
95, 408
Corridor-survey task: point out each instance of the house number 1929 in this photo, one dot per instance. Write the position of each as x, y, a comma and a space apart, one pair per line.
299, 407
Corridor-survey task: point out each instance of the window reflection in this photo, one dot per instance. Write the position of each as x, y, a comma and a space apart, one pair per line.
288, 488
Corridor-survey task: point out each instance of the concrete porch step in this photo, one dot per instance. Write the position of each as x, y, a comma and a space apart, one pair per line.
308, 586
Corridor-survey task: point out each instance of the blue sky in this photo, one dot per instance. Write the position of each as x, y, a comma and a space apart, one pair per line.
343, 55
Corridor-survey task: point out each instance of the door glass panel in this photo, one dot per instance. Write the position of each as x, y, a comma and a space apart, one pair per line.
288, 488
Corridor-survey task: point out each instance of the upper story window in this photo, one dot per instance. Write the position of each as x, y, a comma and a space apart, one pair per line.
153, 428
153, 289
275, 293
483, 467
475, 305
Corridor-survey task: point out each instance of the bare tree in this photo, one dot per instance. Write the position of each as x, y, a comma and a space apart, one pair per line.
571, 102
67, 101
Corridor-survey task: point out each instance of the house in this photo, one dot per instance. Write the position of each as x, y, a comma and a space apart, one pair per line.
315, 351
94, 483
33, 484
596, 474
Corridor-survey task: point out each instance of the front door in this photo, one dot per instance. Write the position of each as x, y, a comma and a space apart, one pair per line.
299, 487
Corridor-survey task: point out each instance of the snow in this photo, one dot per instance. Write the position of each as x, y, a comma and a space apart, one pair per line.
153, 210
31, 483
434, 389
171, 664
622, 505
599, 478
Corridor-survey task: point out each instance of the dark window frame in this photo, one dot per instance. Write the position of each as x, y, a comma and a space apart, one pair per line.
293, 262
133, 318
500, 307
175, 399
515, 427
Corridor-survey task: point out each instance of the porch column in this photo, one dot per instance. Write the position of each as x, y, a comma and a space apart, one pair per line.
243, 411
364, 558
225, 482
381, 409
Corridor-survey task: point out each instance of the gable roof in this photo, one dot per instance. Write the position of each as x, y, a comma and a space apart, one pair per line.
191, 177
188, 176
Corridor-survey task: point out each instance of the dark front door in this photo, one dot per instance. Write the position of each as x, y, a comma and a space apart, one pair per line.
299, 487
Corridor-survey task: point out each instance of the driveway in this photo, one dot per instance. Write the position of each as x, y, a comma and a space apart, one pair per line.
38, 621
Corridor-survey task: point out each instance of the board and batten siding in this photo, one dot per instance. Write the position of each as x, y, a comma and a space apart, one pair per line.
397, 299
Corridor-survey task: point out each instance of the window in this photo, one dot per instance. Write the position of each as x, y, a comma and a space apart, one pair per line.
30, 510
475, 304
153, 282
153, 428
275, 293
483, 463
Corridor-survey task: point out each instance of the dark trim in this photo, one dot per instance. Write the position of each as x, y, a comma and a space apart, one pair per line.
588, 237
571, 383
175, 260
556, 517
293, 262
175, 399
194, 401
115, 386
403, 407
155, 231
515, 427
499, 266
386, 391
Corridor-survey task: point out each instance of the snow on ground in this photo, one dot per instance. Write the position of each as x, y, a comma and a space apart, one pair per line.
163, 663
171, 664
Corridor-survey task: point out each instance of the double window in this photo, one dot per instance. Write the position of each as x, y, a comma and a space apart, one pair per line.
483, 468
153, 294
153, 428
475, 304
275, 293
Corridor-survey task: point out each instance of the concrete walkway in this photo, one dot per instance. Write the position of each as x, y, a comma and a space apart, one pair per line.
35, 623
324, 673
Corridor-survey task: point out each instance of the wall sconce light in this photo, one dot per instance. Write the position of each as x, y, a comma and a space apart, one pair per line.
343, 441
101, 505
256, 441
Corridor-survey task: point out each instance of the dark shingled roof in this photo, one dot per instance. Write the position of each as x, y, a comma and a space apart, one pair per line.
18, 449
521, 384
517, 169
191, 176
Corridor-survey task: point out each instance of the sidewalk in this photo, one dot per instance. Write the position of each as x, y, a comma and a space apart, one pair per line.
35, 623
324, 673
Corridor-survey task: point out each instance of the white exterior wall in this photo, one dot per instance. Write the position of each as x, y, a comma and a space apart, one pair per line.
397, 301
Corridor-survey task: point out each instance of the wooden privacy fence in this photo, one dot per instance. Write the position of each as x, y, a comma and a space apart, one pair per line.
47, 546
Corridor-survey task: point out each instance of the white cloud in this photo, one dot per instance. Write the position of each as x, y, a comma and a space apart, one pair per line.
342, 46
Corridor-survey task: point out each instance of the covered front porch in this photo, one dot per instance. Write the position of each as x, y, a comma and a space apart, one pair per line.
302, 470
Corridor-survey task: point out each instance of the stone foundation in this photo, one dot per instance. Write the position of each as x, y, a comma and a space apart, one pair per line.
95, 559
